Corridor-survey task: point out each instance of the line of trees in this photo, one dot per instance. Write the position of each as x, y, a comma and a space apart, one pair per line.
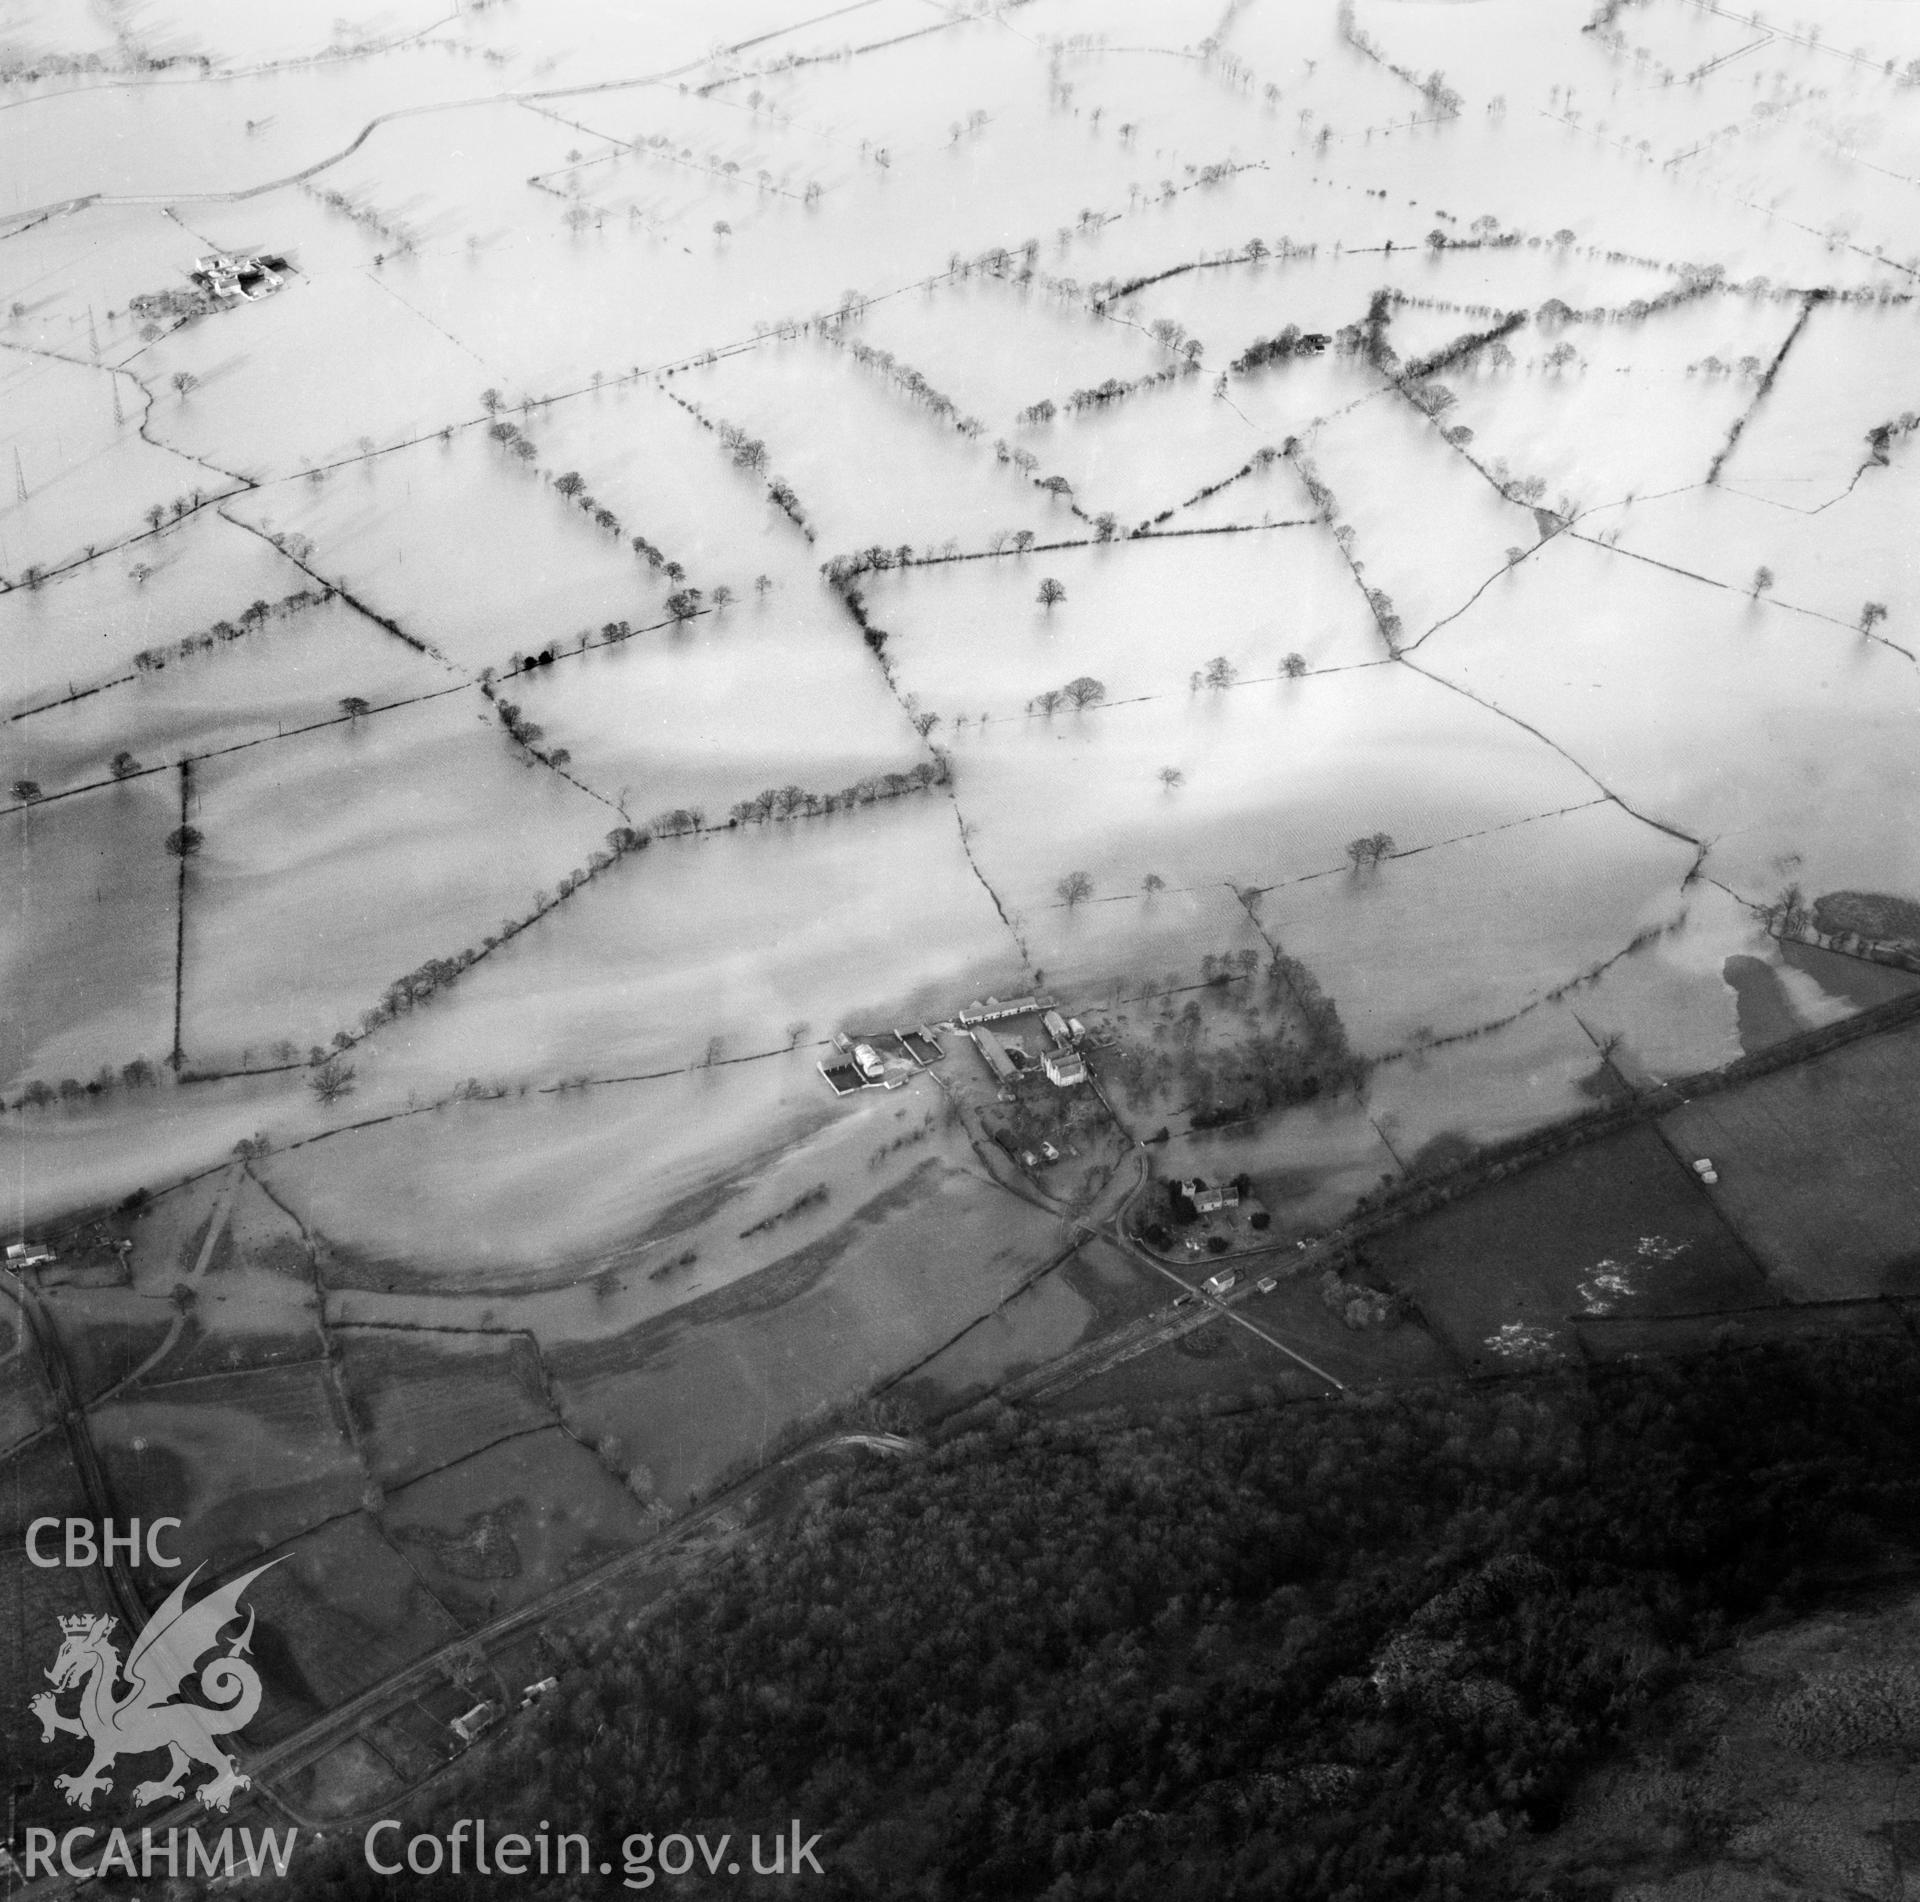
434, 975
905, 378
795, 802
152, 660
70, 1092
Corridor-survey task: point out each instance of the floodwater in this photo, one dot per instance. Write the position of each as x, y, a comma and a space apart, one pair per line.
1573, 736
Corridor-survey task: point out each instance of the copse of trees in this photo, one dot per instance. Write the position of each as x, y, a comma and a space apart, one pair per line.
1288, 343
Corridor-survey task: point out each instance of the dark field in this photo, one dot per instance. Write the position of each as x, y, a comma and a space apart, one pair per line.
1619, 1226
1820, 1167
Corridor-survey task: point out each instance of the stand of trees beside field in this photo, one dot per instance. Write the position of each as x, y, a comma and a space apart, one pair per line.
1325, 1651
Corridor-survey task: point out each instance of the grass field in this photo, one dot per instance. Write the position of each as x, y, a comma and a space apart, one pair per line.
424, 1402
715, 1383
513, 1522
1815, 1166
245, 1461
1617, 1227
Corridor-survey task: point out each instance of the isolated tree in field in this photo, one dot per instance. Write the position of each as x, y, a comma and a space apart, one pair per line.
1050, 592
353, 706
721, 596
1074, 888
1221, 672
183, 381
1870, 615
26, 791
125, 766
570, 484
1369, 850
155, 516
490, 400
1294, 666
1152, 883
1762, 582
1085, 691
184, 841
721, 229
763, 584
1022, 540
1171, 777
332, 1081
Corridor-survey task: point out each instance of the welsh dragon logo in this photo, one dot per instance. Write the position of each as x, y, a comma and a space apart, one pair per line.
151, 1714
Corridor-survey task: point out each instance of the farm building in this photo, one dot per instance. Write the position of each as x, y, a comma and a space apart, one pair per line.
1210, 1201
994, 1010
1057, 1027
233, 277
1064, 1067
998, 1059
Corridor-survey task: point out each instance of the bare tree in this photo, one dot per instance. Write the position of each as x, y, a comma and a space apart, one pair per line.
1050, 592
332, 1081
1172, 776
1074, 889
1084, 691
1762, 582
1294, 666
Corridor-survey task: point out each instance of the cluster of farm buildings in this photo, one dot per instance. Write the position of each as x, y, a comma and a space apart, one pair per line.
886, 1060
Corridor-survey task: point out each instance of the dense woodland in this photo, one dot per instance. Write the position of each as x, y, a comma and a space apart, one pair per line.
1331, 1650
